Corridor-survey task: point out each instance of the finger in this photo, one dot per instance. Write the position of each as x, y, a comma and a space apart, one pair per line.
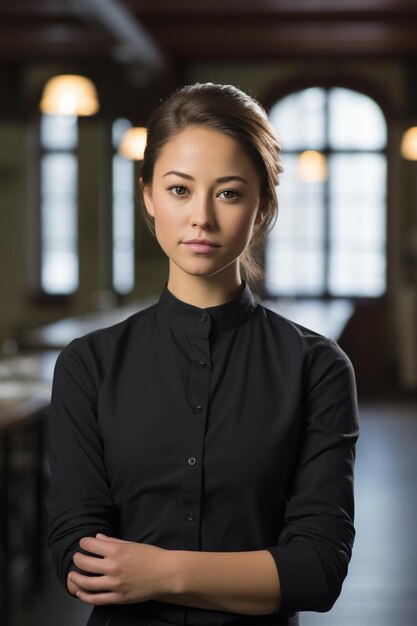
72, 587
96, 546
107, 538
90, 583
99, 598
90, 564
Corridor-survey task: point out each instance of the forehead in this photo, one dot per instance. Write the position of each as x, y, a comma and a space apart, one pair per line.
198, 147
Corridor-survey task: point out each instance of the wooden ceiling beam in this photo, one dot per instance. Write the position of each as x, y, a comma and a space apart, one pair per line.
324, 9
53, 42
206, 30
40, 8
274, 41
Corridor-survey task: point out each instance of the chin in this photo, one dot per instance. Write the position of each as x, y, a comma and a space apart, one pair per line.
199, 269
204, 267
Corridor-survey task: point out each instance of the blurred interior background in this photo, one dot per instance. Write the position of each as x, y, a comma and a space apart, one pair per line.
339, 81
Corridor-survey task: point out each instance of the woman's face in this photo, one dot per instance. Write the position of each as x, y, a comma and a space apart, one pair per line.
204, 188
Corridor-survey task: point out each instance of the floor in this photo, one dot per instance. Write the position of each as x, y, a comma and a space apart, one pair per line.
381, 587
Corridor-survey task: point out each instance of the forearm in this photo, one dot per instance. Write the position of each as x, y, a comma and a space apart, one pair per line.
236, 582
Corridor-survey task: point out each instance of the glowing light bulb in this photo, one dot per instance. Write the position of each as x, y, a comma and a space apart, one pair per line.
312, 167
133, 143
409, 144
69, 94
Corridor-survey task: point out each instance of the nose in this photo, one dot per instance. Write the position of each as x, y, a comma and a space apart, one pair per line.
202, 213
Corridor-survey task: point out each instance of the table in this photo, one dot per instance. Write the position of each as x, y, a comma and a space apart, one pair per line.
56, 335
325, 317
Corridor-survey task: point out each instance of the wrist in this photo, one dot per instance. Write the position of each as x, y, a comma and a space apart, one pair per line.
171, 583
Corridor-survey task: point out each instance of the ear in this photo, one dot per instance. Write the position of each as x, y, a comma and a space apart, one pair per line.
147, 197
259, 217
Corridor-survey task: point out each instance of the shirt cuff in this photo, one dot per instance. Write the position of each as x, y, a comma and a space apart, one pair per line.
303, 581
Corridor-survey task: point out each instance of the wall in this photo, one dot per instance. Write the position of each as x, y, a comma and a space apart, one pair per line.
13, 224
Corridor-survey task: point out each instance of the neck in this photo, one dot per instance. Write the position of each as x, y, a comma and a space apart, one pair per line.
205, 291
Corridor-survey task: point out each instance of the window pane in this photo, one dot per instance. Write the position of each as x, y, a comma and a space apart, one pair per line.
359, 272
356, 121
301, 216
357, 226
123, 225
299, 120
59, 236
119, 128
59, 174
294, 260
295, 270
358, 175
124, 278
59, 218
59, 273
358, 196
59, 132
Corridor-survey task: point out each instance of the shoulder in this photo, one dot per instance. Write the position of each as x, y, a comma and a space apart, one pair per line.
290, 331
312, 349
328, 383
92, 351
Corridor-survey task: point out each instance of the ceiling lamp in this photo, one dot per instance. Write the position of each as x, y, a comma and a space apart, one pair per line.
312, 167
409, 144
69, 94
133, 142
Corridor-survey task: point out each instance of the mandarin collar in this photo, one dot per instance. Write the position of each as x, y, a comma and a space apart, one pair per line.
215, 318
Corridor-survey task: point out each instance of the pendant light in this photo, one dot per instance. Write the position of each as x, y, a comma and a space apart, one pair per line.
69, 94
312, 167
133, 142
409, 144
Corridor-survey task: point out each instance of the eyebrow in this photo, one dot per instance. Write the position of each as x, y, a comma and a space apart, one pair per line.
222, 179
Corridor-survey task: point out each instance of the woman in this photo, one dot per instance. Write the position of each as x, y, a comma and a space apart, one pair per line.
202, 450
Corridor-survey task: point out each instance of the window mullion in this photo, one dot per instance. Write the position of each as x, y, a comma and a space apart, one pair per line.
327, 201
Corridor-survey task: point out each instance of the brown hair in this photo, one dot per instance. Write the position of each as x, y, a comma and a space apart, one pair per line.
227, 109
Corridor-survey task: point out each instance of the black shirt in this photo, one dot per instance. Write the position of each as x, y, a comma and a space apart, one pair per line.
228, 428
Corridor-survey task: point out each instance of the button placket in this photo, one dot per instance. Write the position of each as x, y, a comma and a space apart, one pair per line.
200, 357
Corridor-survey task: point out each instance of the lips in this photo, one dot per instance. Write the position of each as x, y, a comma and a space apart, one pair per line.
200, 245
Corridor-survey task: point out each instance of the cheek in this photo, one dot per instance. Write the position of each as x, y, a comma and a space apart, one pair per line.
163, 212
242, 226
165, 218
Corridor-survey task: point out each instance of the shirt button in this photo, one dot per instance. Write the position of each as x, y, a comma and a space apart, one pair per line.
202, 364
190, 516
203, 317
197, 409
192, 461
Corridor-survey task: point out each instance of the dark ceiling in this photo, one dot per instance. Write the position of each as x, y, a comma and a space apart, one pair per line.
144, 42
148, 31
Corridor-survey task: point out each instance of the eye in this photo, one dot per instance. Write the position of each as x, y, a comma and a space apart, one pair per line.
177, 190
229, 194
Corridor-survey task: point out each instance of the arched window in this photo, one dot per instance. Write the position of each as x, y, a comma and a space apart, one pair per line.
330, 236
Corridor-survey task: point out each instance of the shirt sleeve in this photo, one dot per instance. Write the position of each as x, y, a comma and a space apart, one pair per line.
315, 545
79, 501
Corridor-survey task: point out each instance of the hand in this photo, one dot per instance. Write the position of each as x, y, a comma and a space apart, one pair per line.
124, 571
